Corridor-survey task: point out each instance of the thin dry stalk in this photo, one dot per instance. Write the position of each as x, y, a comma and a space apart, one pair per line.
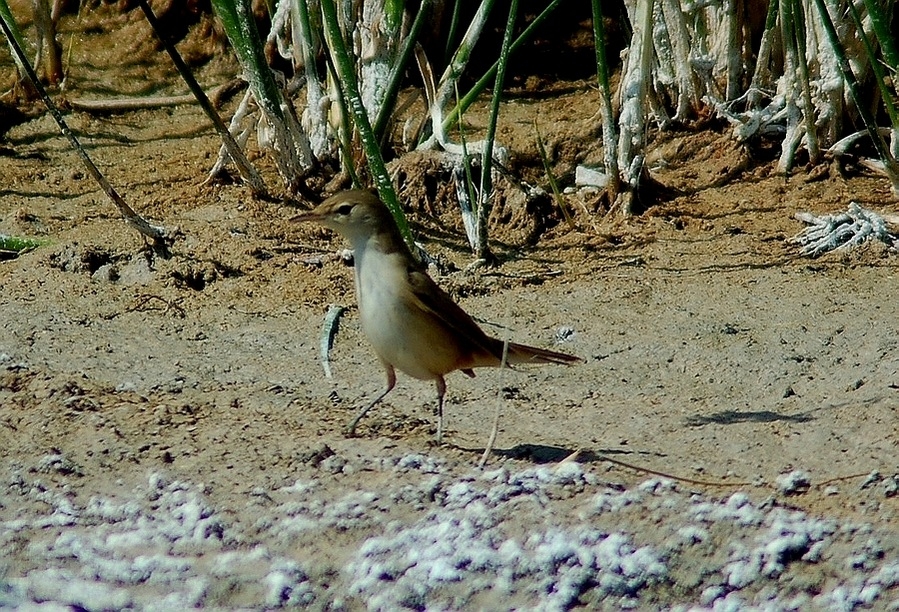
457, 65
633, 92
494, 430
680, 47
124, 105
49, 52
734, 8
157, 235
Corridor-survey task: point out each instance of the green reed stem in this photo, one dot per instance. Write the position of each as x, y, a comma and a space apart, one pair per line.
399, 70
453, 28
609, 130
486, 187
880, 22
15, 33
237, 19
478, 88
874, 62
346, 72
861, 105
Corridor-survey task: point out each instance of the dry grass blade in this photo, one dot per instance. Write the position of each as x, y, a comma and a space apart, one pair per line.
247, 171
124, 105
494, 430
554, 185
157, 235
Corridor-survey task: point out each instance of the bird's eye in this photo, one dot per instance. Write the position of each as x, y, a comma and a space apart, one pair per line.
345, 209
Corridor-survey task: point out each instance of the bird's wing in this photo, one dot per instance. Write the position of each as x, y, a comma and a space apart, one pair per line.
428, 296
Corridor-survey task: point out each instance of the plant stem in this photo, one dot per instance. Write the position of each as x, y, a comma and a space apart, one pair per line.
247, 171
486, 188
345, 128
609, 131
880, 21
292, 151
49, 50
463, 53
890, 165
156, 235
346, 73
451, 35
316, 120
762, 75
808, 107
399, 69
553, 184
734, 44
469, 98
15, 34
634, 88
876, 68
467, 193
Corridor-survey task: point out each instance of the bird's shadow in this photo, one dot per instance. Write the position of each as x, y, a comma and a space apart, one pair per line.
542, 453
732, 417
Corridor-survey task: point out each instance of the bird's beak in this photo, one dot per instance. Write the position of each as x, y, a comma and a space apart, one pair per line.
309, 216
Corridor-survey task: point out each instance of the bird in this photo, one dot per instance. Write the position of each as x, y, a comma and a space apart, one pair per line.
413, 325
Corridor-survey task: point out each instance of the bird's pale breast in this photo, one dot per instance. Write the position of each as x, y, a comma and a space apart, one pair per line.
402, 334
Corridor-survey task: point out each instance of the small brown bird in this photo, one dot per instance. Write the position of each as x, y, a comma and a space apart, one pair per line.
413, 325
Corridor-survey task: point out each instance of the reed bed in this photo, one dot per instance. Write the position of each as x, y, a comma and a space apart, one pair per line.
814, 71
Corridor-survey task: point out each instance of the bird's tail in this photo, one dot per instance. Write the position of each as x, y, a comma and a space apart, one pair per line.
523, 354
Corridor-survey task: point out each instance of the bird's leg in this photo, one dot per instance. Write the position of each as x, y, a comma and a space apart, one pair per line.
441, 391
391, 382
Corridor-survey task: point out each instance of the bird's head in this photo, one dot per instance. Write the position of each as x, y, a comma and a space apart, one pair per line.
357, 215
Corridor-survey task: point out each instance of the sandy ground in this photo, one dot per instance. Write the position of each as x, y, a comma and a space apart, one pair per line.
168, 437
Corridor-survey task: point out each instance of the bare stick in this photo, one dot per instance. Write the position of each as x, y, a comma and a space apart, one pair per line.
157, 235
122, 105
634, 93
499, 405
47, 46
247, 171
